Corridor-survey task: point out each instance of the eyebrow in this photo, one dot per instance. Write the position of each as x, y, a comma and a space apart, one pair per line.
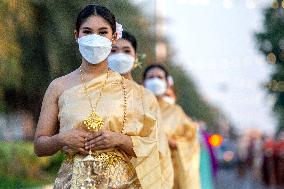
126, 47
87, 28
103, 28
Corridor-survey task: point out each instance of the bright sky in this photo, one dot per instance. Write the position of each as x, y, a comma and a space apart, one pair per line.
214, 42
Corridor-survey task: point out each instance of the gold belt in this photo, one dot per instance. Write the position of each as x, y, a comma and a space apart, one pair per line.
104, 158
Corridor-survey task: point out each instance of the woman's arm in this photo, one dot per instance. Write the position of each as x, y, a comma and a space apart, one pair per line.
47, 139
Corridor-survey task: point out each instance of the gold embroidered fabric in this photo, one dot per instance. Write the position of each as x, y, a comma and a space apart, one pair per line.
64, 176
165, 159
142, 171
167, 170
119, 174
178, 126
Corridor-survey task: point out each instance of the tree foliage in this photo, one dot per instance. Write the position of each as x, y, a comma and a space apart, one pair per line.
271, 44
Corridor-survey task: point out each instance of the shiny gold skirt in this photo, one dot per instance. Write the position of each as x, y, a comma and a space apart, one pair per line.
113, 175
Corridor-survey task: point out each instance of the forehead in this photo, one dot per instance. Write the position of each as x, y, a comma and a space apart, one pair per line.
123, 43
95, 22
156, 72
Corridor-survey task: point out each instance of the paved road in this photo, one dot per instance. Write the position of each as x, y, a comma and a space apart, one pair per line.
228, 179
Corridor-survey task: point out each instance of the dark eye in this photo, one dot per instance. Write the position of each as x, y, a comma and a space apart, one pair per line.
87, 32
126, 51
113, 50
103, 32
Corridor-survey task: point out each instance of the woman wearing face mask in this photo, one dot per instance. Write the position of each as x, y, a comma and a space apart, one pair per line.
181, 131
123, 55
92, 114
121, 60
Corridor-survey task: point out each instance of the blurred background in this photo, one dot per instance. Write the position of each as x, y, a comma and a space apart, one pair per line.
226, 58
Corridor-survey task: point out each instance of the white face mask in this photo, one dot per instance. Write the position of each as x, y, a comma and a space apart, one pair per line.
94, 48
169, 99
156, 85
121, 62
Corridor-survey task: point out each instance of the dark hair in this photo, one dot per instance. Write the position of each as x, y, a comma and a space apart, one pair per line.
96, 10
129, 37
152, 66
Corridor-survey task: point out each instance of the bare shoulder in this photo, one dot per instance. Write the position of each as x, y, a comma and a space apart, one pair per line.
60, 84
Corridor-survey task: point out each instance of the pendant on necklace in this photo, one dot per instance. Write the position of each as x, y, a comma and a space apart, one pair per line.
94, 122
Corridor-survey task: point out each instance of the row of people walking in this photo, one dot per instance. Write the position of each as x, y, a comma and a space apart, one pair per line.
263, 156
116, 133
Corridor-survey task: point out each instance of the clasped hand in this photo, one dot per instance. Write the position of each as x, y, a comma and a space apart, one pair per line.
78, 140
102, 140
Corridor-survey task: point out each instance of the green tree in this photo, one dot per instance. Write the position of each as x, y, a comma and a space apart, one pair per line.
271, 44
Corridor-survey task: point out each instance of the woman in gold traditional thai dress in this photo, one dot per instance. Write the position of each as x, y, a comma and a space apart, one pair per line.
97, 117
123, 59
181, 131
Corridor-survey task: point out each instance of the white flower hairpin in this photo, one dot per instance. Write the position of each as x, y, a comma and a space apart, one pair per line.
119, 30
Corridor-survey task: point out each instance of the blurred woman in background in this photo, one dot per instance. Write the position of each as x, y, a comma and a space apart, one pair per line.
122, 60
180, 130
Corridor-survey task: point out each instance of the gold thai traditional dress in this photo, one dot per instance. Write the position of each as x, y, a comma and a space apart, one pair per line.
113, 168
166, 164
179, 127
165, 159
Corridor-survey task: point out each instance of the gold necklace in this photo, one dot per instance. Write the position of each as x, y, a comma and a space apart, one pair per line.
94, 122
124, 104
